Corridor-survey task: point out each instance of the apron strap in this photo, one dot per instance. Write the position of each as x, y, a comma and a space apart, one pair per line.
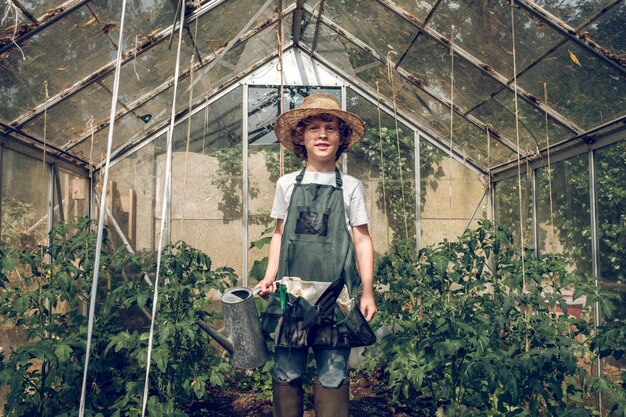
300, 176
338, 178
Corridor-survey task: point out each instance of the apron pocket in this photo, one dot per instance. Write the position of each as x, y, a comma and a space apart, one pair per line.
359, 331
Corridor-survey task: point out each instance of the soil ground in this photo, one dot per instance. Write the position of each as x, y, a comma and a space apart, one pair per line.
368, 398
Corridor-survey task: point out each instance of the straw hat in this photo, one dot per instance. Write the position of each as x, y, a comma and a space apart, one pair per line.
314, 105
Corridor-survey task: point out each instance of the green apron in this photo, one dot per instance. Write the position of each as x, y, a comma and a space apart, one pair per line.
316, 248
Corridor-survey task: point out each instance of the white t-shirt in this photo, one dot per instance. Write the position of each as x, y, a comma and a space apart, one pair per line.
353, 195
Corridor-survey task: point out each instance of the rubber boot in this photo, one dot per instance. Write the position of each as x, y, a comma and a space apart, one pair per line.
287, 398
331, 402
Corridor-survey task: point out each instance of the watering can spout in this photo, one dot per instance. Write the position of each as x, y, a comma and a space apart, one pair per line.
223, 341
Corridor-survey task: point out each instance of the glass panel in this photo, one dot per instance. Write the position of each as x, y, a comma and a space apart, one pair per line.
333, 47
94, 149
574, 14
373, 24
61, 55
136, 182
563, 211
450, 193
131, 128
74, 196
419, 9
24, 199
69, 118
238, 60
611, 205
141, 19
508, 208
430, 63
207, 182
484, 30
429, 113
499, 112
580, 86
221, 25
385, 161
147, 71
473, 144
608, 30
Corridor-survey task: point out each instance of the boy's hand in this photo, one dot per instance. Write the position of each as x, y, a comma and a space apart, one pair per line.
267, 287
367, 306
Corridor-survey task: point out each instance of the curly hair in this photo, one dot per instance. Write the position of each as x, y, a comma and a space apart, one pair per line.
298, 134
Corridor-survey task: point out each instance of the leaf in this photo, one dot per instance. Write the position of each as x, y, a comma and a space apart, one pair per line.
573, 58
89, 22
63, 352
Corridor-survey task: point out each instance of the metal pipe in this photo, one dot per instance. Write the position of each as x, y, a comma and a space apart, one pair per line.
595, 253
418, 191
246, 184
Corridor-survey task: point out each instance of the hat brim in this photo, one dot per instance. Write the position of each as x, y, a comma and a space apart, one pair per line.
287, 122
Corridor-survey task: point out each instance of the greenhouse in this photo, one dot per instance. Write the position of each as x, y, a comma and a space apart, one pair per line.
139, 160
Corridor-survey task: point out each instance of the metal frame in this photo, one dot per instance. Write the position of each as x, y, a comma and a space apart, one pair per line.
296, 24
317, 27
509, 169
27, 149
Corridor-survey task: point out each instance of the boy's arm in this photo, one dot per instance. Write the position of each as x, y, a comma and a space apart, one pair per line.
365, 259
267, 283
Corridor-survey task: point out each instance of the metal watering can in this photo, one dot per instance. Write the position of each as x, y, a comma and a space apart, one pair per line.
242, 338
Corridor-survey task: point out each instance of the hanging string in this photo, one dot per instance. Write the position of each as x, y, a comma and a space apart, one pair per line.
382, 157
12, 7
395, 116
96, 266
451, 120
166, 196
280, 40
519, 170
135, 57
190, 108
545, 100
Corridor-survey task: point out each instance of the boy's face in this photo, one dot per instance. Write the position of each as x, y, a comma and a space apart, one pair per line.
321, 139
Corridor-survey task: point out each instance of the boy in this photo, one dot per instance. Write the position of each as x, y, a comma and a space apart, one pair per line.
313, 301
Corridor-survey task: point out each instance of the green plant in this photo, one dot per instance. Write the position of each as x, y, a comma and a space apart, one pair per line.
476, 332
44, 376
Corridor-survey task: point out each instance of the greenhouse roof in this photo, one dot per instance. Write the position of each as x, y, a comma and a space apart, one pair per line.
493, 72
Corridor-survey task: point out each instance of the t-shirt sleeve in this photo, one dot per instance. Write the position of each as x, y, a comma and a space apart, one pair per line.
279, 208
358, 208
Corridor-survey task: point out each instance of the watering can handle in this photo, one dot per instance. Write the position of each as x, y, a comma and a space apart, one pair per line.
256, 291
